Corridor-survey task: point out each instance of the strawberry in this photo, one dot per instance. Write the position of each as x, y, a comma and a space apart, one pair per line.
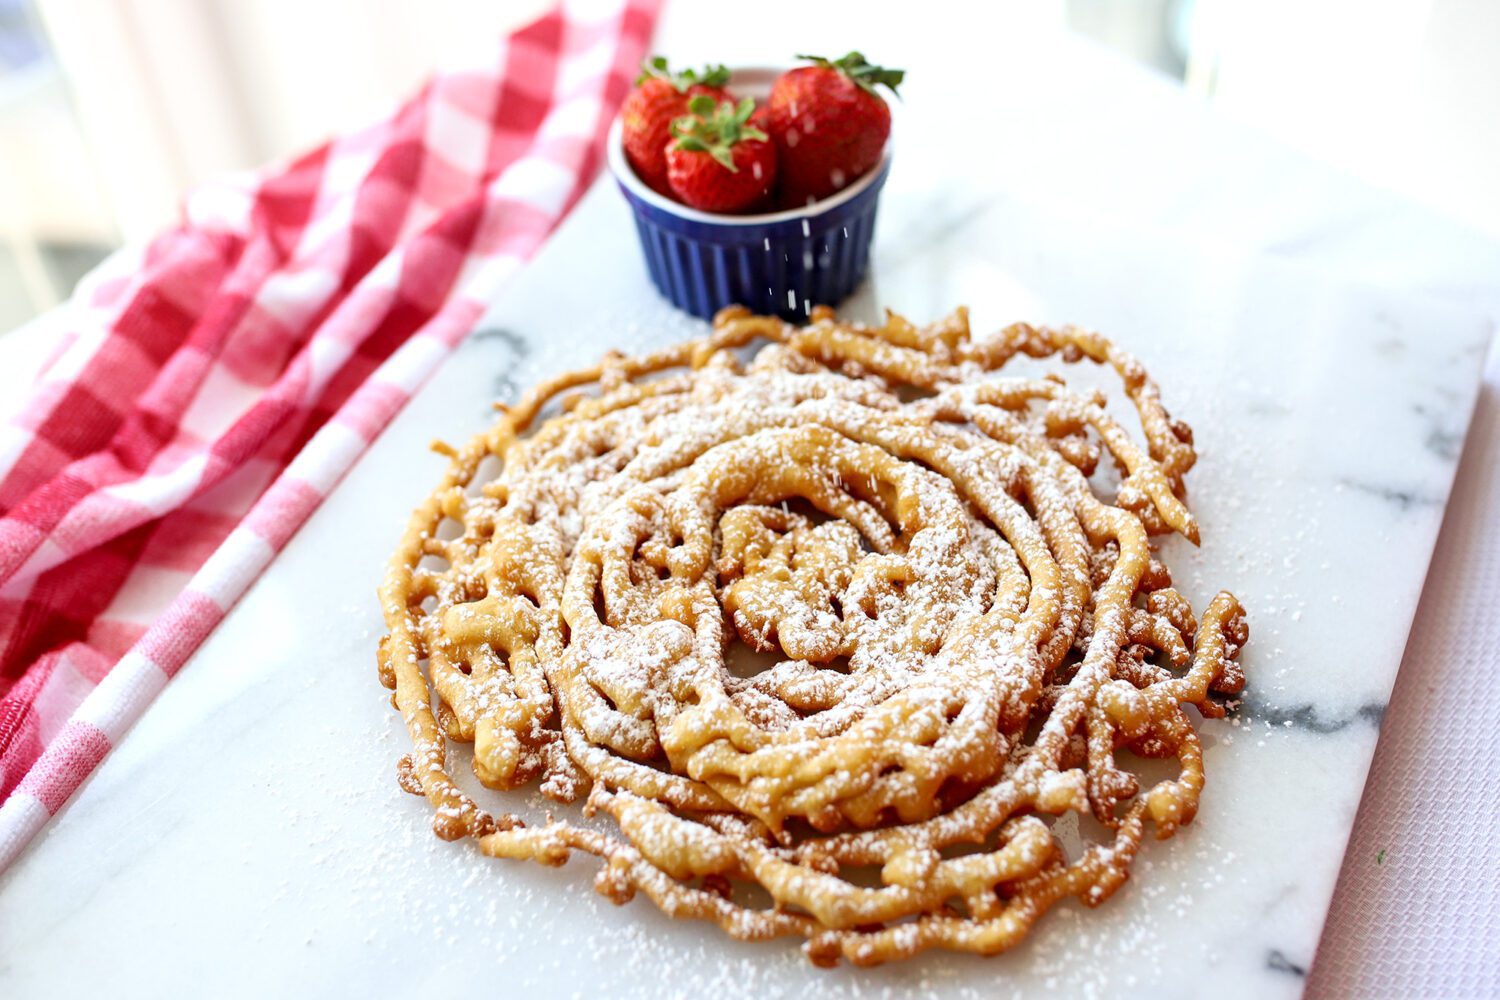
659, 98
721, 161
828, 123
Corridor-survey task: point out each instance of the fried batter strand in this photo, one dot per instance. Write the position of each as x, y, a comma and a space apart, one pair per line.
961, 634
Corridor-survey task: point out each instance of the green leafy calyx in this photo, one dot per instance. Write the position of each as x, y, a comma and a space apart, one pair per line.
865, 74
657, 68
714, 129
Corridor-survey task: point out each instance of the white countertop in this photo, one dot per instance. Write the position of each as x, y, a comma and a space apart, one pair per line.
248, 835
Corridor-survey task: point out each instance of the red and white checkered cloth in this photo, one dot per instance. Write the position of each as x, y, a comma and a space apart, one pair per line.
219, 383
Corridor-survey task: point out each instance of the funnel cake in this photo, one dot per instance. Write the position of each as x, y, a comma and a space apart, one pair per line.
960, 634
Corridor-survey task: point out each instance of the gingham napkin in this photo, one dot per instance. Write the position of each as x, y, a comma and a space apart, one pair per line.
217, 384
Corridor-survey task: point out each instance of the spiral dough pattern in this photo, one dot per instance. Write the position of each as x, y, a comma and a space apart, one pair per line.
959, 629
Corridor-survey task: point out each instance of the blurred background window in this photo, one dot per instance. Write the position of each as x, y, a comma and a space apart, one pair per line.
21, 44
110, 110
54, 225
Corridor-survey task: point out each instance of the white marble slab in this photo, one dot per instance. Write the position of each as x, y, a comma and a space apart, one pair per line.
258, 816
248, 837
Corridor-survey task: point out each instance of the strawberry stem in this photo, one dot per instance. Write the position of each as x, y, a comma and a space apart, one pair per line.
867, 75
715, 130
657, 68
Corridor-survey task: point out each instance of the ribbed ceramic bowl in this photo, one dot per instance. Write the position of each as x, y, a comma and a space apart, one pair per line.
779, 262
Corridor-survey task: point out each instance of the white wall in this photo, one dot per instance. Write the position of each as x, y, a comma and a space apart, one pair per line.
172, 92
1405, 93
1402, 92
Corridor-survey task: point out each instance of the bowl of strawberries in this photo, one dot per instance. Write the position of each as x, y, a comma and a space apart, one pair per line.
756, 187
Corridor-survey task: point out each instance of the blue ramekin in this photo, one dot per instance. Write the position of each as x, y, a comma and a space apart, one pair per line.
781, 263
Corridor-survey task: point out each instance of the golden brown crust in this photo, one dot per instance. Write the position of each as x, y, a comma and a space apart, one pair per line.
967, 634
